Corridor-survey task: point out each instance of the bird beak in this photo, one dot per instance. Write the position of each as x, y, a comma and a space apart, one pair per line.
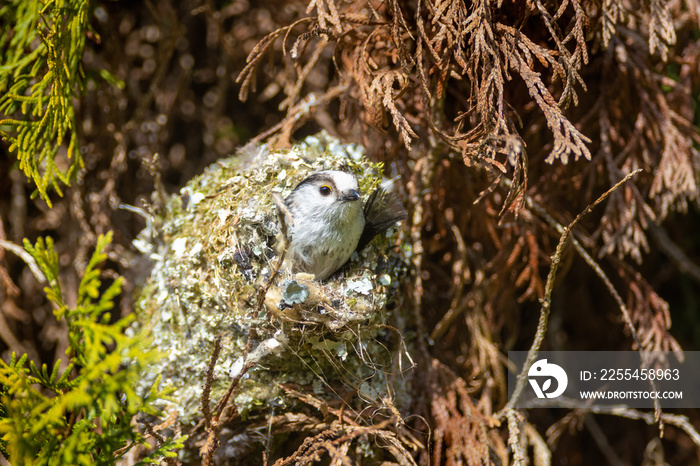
350, 195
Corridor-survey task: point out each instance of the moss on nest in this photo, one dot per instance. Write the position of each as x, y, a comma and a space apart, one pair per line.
213, 251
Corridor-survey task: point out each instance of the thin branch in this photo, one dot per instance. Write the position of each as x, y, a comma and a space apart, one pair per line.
549, 288
676, 420
206, 411
514, 436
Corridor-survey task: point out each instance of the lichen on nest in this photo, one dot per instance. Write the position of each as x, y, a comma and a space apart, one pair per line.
213, 250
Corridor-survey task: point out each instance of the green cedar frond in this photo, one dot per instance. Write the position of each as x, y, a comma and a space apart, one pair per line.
80, 414
41, 45
90, 284
47, 260
166, 450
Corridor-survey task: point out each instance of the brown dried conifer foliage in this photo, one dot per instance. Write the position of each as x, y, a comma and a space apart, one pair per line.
503, 118
590, 90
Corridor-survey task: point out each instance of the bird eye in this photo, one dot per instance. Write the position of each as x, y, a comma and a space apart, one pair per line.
325, 190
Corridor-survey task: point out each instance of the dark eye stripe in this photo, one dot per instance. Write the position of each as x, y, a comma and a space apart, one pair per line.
320, 177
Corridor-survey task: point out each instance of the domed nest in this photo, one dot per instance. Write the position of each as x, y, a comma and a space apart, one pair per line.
217, 275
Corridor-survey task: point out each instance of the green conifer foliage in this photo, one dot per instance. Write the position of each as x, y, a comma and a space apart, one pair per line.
41, 46
81, 413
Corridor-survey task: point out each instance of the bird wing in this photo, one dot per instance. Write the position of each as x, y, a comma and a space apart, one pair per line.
382, 210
